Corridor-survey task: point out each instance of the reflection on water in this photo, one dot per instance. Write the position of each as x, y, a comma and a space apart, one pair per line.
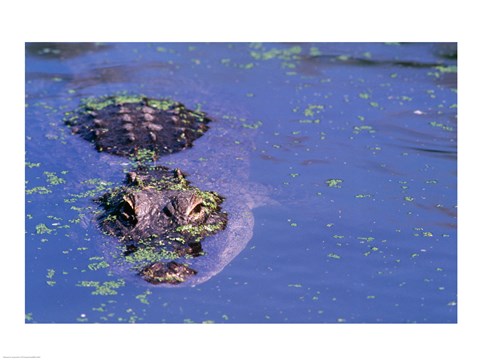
337, 161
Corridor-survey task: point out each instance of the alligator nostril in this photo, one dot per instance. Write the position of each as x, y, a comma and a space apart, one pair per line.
168, 210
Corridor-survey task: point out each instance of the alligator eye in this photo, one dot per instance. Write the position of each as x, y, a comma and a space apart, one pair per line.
127, 212
128, 206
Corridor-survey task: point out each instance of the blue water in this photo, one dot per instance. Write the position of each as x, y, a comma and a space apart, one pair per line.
353, 145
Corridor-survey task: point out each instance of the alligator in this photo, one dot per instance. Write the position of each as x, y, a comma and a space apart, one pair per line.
161, 227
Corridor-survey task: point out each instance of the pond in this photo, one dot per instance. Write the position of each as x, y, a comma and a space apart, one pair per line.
343, 156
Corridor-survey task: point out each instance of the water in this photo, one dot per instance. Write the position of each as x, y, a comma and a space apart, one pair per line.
344, 154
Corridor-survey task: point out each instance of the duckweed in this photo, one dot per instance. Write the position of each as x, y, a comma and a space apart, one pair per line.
31, 165
43, 229
143, 298
334, 183
104, 288
41, 190
100, 265
147, 255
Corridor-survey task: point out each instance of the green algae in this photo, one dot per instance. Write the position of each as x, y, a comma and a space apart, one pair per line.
287, 58
199, 231
211, 199
313, 109
314, 51
254, 125
143, 298
447, 68
98, 265
442, 70
309, 121
295, 285
43, 229
104, 288
441, 126
164, 104
146, 255
92, 104
50, 274
366, 238
261, 53
41, 190
100, 186
363, 128
363, 196
334, 183
31, 165
53, 179
144, 156
98, 103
